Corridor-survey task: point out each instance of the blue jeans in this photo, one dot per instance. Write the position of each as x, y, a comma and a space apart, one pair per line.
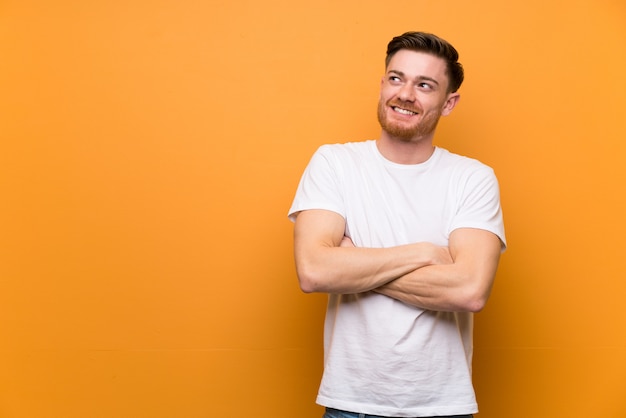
336, 413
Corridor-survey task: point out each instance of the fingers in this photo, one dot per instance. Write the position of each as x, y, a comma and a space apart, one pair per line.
346, 242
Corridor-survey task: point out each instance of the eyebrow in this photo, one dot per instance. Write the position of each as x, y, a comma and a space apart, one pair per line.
420, 77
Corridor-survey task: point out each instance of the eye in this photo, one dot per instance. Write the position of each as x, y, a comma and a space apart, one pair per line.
394, 79
425, 86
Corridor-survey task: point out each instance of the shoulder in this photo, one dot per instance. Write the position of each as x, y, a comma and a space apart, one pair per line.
463, 165
345, 154
346, 149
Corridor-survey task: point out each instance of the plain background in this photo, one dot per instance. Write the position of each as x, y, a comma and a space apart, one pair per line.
150, 151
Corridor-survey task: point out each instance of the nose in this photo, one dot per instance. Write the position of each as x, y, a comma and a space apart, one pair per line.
406, 93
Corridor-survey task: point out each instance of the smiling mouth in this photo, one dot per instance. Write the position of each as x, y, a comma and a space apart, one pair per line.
403, 111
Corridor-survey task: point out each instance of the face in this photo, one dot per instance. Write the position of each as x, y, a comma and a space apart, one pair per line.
413, 95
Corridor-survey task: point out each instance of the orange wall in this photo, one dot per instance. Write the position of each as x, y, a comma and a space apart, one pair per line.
150, 151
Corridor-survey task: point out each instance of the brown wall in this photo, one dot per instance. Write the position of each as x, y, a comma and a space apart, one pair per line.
149, 151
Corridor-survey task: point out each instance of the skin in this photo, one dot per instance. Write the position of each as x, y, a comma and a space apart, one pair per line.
413, 96
414, 82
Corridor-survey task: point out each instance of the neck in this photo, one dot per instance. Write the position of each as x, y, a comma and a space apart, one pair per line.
405, 151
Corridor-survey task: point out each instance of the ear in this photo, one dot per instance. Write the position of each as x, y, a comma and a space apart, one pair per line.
450, 103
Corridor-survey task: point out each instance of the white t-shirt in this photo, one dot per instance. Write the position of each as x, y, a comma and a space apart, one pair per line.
382, 356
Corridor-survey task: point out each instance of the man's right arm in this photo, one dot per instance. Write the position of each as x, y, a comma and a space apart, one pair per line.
324, 265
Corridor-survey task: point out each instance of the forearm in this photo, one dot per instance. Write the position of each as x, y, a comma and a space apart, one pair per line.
462, 286
438, 288
335, 269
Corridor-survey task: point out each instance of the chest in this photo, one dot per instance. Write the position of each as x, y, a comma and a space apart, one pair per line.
386, 208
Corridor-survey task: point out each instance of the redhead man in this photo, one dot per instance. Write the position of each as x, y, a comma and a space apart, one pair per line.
405, 238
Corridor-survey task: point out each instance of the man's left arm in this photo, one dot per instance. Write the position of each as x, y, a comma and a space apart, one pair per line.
463, 286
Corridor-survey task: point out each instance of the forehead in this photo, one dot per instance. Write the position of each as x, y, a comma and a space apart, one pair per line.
414, 64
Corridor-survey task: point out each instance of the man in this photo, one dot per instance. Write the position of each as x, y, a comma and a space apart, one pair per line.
405, 237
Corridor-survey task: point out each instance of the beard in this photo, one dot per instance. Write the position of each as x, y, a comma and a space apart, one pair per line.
420, 129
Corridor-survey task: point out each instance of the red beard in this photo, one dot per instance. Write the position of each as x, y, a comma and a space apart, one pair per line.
419, 129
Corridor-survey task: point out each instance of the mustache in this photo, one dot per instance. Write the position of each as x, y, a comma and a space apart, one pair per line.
405, 106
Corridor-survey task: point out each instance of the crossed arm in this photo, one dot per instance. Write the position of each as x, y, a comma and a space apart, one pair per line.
454, 278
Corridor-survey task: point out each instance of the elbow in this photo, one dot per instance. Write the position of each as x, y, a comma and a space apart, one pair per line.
475, 292
469, 304
307, 285
474, 300
475, 304
309, 280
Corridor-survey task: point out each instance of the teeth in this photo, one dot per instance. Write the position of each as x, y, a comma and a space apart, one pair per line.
404, 111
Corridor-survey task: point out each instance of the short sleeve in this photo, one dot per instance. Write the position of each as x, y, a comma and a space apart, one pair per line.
479, 203
320, 185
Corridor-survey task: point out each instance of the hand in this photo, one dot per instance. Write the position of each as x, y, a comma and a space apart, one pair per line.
346, 242
437, 254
